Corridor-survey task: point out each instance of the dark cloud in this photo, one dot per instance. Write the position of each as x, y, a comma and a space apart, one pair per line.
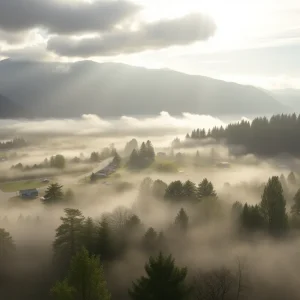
63, 17
157, 35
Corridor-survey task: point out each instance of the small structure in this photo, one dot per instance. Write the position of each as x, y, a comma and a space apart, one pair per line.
28, 194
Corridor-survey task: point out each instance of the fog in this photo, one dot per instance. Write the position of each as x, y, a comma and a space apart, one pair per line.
272, 266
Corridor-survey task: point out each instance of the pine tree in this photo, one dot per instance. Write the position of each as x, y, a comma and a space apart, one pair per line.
68, 236
295, 210
53, 194
174, 191
134, 160
163, 281
292, 179
273, 207
159, 188
205, 189
85, 280
117, 159
189, 190
150, 151
89, 235
150, 240
7, 245
182, 220
104, 242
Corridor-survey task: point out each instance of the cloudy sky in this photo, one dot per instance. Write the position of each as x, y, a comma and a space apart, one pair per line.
247, 41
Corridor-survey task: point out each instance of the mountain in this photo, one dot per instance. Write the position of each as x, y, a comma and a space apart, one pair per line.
9, 109
290, 97
47, 89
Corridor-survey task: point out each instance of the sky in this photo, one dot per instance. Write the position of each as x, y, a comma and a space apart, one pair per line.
253, 42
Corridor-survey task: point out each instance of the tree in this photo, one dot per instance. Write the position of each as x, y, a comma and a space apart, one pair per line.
68, 236
291, 179
174, 191
182, 220
205, 189
252, 218
134, 159
159, 188
163, 281
150, 151
58, 161
150, 240
130, 146
189, 190
117, 159
273, 206
295, 210
89, 235
85, 280
95, 157
146, 187
7, 245
62, 290
53, 194
104, 241
69, 196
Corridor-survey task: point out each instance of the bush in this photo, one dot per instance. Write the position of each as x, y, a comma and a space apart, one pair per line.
167, 167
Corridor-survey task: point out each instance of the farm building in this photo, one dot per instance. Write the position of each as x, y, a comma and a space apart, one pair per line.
28, 194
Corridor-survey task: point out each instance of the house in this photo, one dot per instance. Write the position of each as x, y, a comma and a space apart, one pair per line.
28, 194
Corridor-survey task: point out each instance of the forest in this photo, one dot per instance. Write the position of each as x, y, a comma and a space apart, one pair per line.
103, 257
262, 136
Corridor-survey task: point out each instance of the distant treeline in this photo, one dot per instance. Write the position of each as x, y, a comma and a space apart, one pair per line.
262, 136
13, 144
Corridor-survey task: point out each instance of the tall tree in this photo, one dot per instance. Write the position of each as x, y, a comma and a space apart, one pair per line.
189, 190
7, 245
53, 194
159, 188
273, 206
292, 178
85, 280
295, 210
205, 189
68, 238
174, 191
182, 220
150, 151
104, 241
89, 234
163, 281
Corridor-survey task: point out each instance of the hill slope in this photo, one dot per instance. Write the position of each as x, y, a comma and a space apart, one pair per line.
9, 109
109, 89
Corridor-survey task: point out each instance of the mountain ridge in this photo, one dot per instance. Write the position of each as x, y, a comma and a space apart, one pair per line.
50, 89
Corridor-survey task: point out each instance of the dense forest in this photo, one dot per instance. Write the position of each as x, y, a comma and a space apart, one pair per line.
103, 257
262, 136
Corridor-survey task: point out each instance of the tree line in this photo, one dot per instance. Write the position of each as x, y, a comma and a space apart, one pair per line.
262, 136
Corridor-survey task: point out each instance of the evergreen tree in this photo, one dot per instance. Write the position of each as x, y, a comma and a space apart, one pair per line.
95, 157
159, 188
273, 207
189, 190
292, 179
7, 245
295, 210
163, 281
53, 194
68, 236
252, 218
174, 191
89, 235
130, 146
85, 280
182, 220
146, 187
205, 189
117, 159
134, 160
150, 152
149, 241
104, 243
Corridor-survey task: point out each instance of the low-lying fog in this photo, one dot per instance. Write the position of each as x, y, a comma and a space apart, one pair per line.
273, 266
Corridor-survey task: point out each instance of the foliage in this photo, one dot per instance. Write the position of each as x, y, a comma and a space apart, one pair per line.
143, 157
53, 194
130, 146
163, 281
182, 220
262, 136
273, 207
205, 189
7, 245
58, 161
166, 167
68, 238
85, 280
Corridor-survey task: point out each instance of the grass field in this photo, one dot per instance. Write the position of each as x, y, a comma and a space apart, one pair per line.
15, 186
